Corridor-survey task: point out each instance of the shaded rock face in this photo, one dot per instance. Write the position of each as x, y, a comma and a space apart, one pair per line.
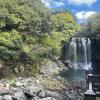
64, 50
95, 55
64, 56
52, 68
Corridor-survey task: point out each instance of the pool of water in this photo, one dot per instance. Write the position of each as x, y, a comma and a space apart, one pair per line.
74, 74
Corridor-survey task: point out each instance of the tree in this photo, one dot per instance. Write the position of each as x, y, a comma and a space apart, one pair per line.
65, 23
27, 16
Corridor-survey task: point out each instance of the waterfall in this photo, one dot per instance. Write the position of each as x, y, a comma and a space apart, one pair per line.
85, 50
73, 47
80, 53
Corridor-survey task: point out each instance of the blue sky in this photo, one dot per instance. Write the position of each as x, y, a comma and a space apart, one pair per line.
82, 9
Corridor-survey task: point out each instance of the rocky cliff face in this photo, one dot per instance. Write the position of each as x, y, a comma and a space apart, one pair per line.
96, 54
47, 85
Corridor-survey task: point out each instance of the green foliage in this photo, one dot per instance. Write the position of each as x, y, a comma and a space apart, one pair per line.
25, 49
52, 42
29, 33
10, 43
12, 84
65, 23
10, 39
26, 16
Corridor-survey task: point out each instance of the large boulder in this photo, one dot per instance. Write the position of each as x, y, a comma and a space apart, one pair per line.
19, 96
5, 91
54, 95
7, 97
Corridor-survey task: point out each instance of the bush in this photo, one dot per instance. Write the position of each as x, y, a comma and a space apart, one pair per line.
52, 42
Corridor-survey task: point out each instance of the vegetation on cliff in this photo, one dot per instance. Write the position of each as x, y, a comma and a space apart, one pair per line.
29, 33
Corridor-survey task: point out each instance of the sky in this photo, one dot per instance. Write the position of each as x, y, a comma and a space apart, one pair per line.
82, 9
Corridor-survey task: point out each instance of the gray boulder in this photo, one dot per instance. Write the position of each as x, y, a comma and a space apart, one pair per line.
54, 95
5, 91
19, 96
32, 91
36, 98
7, 97
42, 94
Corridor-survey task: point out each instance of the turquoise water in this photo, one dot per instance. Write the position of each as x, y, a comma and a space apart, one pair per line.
74, 74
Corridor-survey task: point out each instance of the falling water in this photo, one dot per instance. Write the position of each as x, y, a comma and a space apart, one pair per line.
80, 53
73, 46
89, 53
85, 52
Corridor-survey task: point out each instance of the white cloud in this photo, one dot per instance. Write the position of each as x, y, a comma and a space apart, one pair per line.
59, 4
81, 2
47, 3
53, 3
83, 15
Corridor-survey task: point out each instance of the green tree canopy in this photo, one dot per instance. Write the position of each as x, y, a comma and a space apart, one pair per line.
30, 33
65, 22
24, 15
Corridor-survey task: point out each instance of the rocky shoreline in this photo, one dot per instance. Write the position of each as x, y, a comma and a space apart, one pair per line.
45, 86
